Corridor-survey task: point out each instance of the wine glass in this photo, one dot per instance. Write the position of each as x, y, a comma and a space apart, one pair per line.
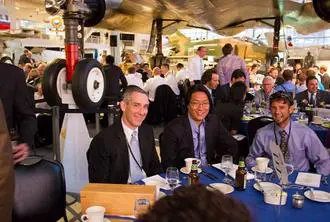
172, 177
288, 162
226, 165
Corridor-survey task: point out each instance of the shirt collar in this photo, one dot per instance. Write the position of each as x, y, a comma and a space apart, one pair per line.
309, 93
286, 129
128, 131
210, 90
193, 124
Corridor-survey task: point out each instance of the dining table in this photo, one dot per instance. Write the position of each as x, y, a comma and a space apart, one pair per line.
312, 211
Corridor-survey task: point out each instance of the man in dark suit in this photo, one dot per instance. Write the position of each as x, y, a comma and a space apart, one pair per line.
113, 75
6, 171
210, 80
198, 134
18, 108
222, 92
312, 96
125, 152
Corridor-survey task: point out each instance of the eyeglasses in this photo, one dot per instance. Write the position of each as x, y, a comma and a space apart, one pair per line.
197, 104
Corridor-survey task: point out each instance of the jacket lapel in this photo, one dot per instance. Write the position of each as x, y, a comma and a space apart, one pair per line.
122, 147
188, 135
143, 143
208, 132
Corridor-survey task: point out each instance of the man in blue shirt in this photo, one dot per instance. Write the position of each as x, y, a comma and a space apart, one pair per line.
294, 139
198, 134
287, 86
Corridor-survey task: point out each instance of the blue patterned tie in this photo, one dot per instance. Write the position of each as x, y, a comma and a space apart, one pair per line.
135, 170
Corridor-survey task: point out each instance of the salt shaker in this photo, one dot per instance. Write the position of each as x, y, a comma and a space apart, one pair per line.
298, 200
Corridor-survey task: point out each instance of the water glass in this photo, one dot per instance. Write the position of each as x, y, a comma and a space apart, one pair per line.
172, 177
226, 165
289, 164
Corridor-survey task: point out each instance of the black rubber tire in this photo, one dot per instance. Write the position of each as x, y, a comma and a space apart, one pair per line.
79, 84
98, 8
6, 59
322, 9
49, 82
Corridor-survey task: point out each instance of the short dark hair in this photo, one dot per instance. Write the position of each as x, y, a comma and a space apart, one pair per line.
237, 74
166, 65
281, 96
310, 72
254, 66
237, 92
288, 74
200, 48
207, 75
196, 203
129, 90
198, 88
110, 59
131, 70
227, 49
179, 66
309, 78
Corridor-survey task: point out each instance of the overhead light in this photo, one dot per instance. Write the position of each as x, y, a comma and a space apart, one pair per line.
17, 8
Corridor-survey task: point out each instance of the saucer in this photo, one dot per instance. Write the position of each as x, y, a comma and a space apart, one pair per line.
268, 170
319, 196
222, 187
185, 171
266, 186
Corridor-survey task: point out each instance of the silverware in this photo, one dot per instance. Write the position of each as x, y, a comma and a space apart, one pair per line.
312, 193
260, 187
324, 180
209, 175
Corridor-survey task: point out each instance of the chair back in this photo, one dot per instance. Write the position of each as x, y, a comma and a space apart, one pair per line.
256, 124
40, 193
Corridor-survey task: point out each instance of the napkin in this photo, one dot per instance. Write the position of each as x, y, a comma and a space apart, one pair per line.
232, 172
158, 181
239, 137
308, 179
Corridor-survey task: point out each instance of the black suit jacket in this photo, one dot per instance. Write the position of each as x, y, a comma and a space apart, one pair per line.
222, 94
17, 102
177, 142
321, 96
230, 114
108, 157
113, 74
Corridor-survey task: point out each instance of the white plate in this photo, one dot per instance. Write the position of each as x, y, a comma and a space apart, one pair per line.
222, 187
266, 186
268, 170
185, 171
319, 196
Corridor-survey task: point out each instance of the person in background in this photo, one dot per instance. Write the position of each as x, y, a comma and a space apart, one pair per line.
152, 83
6, 171
146, 73
318, 76
309, 60
222, 92
182, 73
228, 64
231, 112
196, 65
170, 78
297, 67
312, 96
301, 83
198, 134
18, 106
132, 78
253, 74
294, 139
262, 95
196, 203
287, 86
23, 58
273, 72
125, 152
27, 69
210, 81
325, 78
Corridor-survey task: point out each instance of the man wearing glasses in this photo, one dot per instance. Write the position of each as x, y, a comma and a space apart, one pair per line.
295, 140
198, 134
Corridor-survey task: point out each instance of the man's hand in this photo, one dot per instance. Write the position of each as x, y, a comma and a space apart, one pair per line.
20, 152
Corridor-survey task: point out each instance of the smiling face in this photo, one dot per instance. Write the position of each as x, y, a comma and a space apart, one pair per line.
198, 107
267, 85
281, 112
134, 109
312, 86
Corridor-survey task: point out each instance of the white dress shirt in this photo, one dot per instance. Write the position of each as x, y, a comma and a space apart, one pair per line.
182, 75
128, 134
171, 81
152, 84
195, 67
133, 79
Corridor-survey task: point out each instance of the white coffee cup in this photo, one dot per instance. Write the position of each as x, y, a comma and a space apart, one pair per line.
94, 214
189, 163
262, 163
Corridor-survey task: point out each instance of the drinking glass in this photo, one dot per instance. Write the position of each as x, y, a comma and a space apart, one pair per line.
288, 162
172, 177
226, 165
141, 206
